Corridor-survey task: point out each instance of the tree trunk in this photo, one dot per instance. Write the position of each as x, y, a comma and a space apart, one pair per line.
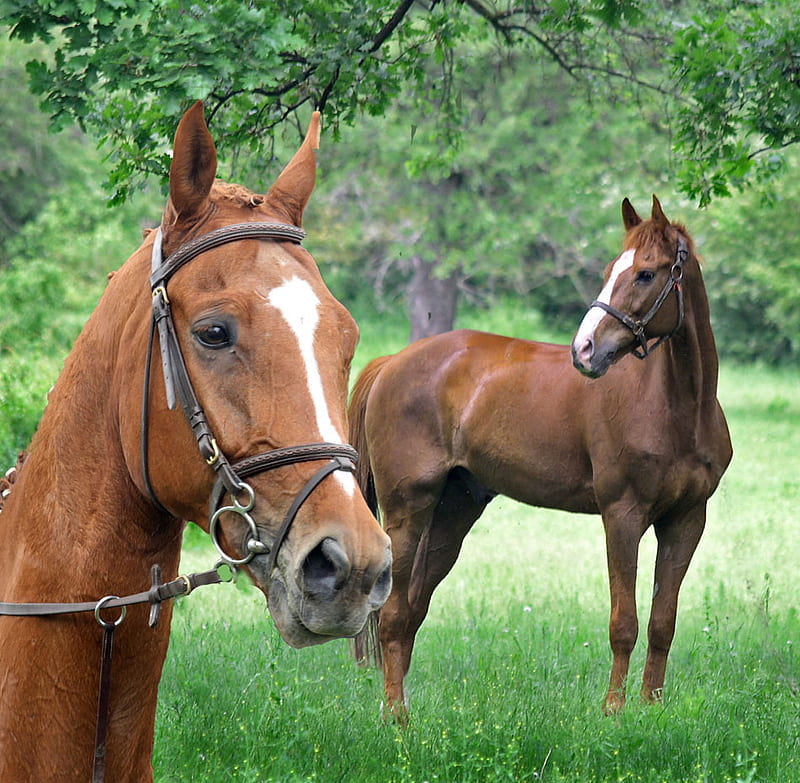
431, 300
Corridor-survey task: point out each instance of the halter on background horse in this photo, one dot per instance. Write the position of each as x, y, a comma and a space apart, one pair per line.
257, 352
451, 421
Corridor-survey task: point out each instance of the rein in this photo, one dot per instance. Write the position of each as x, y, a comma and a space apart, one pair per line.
638, 326
230, 477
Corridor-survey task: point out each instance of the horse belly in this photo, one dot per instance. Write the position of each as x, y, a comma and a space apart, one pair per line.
544, 473
523, 442
565, 490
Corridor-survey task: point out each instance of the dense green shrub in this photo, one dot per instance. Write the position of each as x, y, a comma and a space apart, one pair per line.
51, 275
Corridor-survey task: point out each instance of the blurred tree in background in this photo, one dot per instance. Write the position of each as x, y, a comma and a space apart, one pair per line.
32, 166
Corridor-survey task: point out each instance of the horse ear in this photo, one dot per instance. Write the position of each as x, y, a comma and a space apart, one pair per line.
629, 216
290, 193
658, 213
194, 164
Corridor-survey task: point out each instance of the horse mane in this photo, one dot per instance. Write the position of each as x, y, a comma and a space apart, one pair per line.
365, 646
10, 478
650, 232
356, 414
238, 195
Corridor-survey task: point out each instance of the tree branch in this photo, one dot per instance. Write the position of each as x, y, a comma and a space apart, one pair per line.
391, 25
379, 40
499, 21
783, 146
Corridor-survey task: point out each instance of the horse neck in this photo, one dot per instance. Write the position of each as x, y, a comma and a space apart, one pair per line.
691, 354
74, 502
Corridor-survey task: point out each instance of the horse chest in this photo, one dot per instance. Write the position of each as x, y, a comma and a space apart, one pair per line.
662, 475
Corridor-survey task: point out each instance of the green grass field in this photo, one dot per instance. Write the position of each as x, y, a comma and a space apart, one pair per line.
511, 665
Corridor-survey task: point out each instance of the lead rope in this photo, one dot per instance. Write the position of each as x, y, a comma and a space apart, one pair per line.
158, 593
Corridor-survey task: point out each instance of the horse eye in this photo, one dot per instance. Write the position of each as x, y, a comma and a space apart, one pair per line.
645, 276
213, 336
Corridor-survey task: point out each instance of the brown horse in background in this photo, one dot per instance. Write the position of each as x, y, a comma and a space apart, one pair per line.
258, 351
455, 419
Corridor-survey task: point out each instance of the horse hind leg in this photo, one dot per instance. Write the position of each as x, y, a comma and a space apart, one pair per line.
395, 632
677, 542
460, 505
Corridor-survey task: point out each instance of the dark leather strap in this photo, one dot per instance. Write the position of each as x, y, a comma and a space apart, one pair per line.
638, 327
219, 237
176, 377
158, 593
145, 428
337, 463
103, 705
279, 458
183, 585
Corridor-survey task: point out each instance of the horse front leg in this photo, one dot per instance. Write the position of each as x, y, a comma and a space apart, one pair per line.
623, 534
677, 542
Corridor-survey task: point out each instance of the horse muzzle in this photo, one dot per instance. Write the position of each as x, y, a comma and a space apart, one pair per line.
327, 590
592, 360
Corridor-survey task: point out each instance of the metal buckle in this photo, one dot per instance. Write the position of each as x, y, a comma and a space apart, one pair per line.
161, 290
215, 455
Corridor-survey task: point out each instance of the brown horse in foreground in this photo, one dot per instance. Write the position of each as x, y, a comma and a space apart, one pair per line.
455, 419
258, 352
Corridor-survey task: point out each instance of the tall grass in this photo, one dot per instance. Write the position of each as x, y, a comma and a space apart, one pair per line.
512, 662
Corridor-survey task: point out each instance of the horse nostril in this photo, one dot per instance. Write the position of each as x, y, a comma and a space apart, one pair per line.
582, 352
326, 568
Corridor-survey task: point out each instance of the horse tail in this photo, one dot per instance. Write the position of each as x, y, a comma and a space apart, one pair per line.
356, 414
365, 646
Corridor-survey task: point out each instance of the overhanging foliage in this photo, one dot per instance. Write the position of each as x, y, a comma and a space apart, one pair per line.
126, 69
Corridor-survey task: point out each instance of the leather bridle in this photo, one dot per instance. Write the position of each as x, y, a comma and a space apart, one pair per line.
177, 383
230, 477
674, 281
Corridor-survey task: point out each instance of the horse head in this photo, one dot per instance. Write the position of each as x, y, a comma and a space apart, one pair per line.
642, 297
267, 351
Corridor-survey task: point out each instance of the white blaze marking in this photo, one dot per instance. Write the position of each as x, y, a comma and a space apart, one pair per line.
299, 306
596, 314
